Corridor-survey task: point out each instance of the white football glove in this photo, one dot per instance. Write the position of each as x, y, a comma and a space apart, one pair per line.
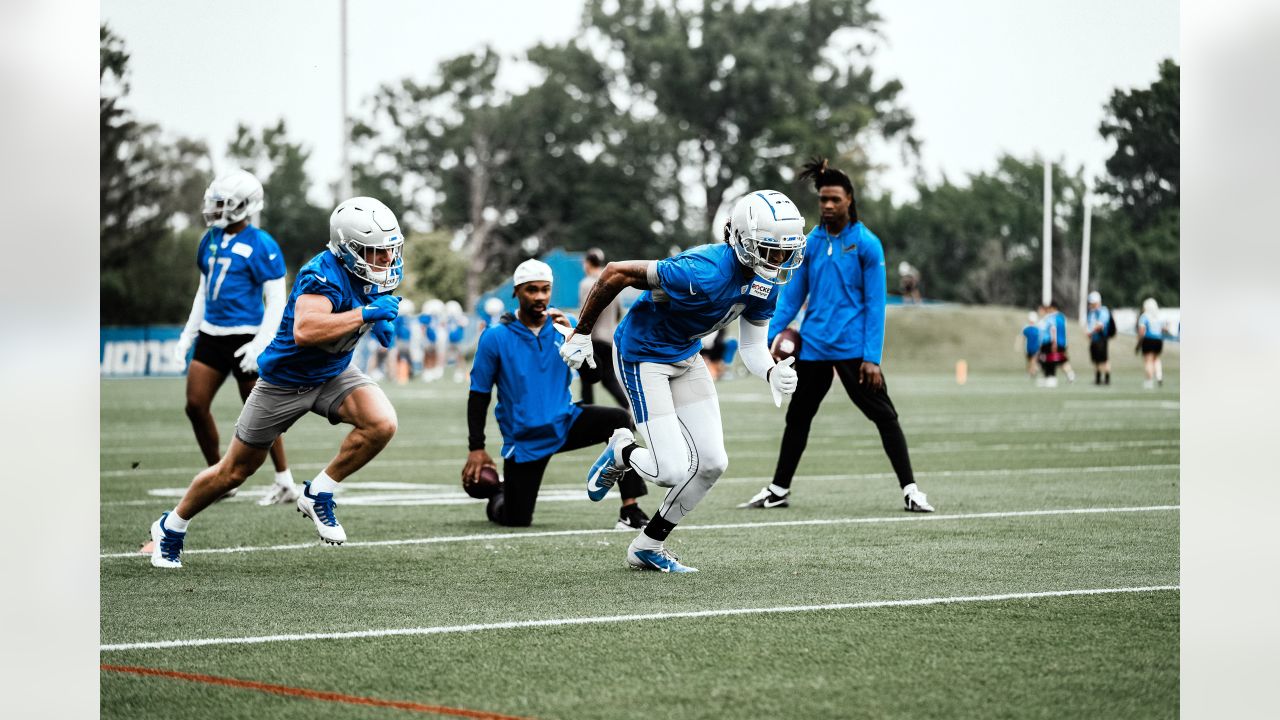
250, 352
782, 380
182, 347
577, 349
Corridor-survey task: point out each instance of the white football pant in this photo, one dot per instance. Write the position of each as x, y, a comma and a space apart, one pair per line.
677, 418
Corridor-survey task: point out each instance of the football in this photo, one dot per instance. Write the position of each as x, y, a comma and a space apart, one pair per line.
486, 486
785, 345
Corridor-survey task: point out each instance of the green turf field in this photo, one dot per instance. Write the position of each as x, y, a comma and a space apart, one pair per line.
1008, 467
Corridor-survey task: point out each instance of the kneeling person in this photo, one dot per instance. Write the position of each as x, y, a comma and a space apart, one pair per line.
535, 410
337, 297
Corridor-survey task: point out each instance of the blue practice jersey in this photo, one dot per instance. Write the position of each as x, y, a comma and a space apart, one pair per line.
535, 410
699, 291
234, 269
1060, 327
1047, 329
1032, 333
843, 279
284, 363
1152, 325
1099, 315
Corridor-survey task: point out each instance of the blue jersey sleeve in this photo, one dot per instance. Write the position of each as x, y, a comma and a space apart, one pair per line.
871, 257
266, 262
309, 283
761, 311
484, 368
678, 277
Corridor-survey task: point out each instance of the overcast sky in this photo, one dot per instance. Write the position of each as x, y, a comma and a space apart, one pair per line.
981, 77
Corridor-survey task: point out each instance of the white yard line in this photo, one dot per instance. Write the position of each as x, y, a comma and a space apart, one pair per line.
561, 622
508, 536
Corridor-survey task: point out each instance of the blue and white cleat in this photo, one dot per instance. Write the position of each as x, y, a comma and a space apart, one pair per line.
319, 507
166, 545
608, 468
661, 560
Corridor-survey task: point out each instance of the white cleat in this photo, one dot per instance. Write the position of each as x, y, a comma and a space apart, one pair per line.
915, 501
319, 507
660, 560
280, 494
166, 545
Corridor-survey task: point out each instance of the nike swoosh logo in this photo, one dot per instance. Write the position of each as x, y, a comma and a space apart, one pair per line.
322, 278
773, 504
691, 290
850, 246
271, 256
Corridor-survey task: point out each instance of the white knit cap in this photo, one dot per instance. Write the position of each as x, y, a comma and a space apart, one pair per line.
531, 270
1095, 297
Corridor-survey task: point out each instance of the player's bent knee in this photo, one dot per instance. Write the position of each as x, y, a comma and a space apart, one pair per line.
382, 428
670, 479
712, 466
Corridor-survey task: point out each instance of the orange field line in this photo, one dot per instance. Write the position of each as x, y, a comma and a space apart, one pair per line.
310, 694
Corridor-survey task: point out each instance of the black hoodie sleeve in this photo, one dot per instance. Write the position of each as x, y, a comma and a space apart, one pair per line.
477, 412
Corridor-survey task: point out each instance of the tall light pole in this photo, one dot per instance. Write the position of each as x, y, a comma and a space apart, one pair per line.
1046, 268
344, 181
1084, 257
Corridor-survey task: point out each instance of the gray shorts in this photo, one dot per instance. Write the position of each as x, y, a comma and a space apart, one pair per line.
271, 409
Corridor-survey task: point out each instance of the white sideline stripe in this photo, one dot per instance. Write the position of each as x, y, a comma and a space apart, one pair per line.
561, 622
721, 526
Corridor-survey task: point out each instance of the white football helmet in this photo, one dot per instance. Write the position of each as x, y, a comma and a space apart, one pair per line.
231, 198
362, 224
766, 223
435, 308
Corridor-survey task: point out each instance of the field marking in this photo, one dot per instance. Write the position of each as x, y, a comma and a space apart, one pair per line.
606, 531
561, 622
307, 693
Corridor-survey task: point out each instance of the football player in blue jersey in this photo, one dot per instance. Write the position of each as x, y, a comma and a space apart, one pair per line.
1101, 328
338, 296
672, 397
843, 282
229, 324
537, 415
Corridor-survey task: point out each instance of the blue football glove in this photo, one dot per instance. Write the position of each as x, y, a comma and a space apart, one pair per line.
383, 333
384, 307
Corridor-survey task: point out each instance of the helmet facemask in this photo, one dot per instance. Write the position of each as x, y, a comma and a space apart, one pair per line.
360, 260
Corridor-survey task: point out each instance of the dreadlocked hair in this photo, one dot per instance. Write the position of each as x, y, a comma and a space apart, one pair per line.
824, 175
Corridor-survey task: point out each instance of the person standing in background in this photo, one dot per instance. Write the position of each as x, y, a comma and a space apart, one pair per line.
601, 335
1101, 328
234, 315
1031, 342
843, 281
1151, 342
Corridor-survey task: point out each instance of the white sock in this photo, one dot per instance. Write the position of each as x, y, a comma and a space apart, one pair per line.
175, 522
323, 483
285, 478
644, 542
908, 489
779, 491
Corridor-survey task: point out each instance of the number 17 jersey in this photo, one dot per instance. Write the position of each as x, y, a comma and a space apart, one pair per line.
694, 294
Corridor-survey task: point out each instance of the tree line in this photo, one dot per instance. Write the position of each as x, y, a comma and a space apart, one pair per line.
633, 138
